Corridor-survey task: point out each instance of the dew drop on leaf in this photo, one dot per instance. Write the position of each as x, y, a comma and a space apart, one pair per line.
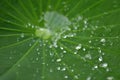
103, 40
100, 58
76, 77
110, 78
78, 47
88, 56
58, 68
22, 35
63, 69
58, 60
88, 78
66, 77
104, 65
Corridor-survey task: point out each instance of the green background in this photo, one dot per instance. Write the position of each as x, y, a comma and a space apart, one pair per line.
95, 25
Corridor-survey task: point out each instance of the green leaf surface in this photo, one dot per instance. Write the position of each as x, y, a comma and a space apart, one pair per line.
60, 40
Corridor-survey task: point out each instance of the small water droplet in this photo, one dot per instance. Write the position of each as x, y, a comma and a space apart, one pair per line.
95, 67
103, 40
58, 68
58, 60
51, 70
79, 46
99, 51
110, 78
72, 70
10, 57
84, 49
64, 51
104, 65
37, 49
38, 53
88, 56
63, 69
37, 59
100, 58
43, 77
76, 77
66, 77
22, 35
30, 44
75, 52
88, 78
18, 65
90, 41
61, 48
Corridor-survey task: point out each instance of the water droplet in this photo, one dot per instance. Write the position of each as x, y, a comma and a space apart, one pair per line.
88, 56
103, 40
30, 44
38, 53
64, 51
37, 59
75, 52
100, 58
99, 51
43, 77
78, 47
63, 69
61, 48
72, 70
22, 35
51, 70
66, 77
95, 67
10, 57
88, 78
37, 49
90, 41
104, 65
84, 49
110, 78
18, 65
58, 60
58, 68
76, 77
34, 75
65, 36
79, 18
